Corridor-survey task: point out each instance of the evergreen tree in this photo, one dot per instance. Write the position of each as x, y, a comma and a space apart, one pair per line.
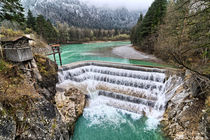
184, 36
140, 19
46, 29
11, 10
134, 35
31, 21
50, 33
100, 34
116, 32
143, 34
40, 21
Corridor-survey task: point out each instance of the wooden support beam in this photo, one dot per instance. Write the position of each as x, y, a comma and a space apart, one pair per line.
56, 49
59, 56
54, 55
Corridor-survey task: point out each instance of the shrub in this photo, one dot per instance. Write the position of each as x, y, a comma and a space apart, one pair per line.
10, 33
122, 37
4, 66
28, 31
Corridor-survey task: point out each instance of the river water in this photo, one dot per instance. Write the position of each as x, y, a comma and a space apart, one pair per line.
105, 51
100, 121
106, 123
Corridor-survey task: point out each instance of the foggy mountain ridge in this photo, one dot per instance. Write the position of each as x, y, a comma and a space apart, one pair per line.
77, 13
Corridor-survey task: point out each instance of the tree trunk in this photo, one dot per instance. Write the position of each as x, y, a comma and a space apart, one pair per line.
1, 52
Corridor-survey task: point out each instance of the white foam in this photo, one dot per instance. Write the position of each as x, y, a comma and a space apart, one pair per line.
106, 110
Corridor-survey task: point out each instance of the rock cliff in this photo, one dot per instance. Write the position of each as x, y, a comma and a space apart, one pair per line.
186, 116
31, 113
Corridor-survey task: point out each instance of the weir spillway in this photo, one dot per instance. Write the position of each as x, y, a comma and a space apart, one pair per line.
136, 89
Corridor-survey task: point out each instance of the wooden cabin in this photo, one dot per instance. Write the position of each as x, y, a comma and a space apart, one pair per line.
17, 49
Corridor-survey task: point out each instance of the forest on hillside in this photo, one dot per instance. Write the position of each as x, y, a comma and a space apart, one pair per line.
63, 33
15, 23
178, 32
79, 14
175, 31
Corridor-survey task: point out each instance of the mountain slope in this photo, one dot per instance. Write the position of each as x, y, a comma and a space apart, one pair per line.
77, 13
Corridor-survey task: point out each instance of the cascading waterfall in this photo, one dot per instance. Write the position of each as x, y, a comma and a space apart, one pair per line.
135, 90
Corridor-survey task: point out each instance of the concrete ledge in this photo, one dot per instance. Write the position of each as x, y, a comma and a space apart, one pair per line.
114, 65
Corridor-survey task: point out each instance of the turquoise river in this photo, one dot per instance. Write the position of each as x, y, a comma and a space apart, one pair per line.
104, 122
97, 51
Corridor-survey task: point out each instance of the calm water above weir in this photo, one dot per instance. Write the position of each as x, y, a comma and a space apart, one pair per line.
97, 51
100, 121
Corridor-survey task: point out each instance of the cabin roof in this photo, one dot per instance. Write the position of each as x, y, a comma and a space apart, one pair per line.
14, 39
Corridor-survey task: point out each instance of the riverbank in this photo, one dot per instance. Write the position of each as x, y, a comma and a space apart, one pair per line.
96, 41
101, 41
130, 52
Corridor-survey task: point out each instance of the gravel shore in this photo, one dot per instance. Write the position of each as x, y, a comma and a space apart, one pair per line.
131, 53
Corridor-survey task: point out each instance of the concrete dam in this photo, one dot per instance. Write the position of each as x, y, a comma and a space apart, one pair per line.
136, 89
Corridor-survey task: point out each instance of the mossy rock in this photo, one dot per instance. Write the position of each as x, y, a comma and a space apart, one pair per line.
46, 66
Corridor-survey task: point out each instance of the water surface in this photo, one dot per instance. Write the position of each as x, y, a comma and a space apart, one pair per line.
102, 122
97, 51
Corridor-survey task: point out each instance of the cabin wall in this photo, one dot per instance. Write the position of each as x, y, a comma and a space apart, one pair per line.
25, 54
19, 55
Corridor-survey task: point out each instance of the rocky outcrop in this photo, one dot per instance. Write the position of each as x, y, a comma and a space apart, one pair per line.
7, 125
184, 118
46, 85
70, 105
33, 115
31, 119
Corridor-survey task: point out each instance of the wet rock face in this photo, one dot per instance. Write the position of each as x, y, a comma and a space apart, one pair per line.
183, 118
70, 105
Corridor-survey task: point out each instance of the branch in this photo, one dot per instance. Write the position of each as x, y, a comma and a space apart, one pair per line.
181, 5
181, 63
195, 48
203, 82
6, 89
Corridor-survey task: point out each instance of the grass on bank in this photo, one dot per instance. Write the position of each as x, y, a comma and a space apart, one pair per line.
13, 83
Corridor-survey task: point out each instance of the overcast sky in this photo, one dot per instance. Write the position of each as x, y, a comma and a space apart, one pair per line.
130, 4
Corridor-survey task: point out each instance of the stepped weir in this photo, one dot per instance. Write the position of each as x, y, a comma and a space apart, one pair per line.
137, 89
